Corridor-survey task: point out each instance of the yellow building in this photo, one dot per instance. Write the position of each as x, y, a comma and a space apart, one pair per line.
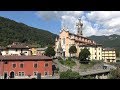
41, 51
38, 51
109, 55
33, 51
67, 39
95, 51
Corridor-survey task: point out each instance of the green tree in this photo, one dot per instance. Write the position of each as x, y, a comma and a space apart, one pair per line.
115, 74
50, 51
117, 53
69, 75
84, 56
72, 50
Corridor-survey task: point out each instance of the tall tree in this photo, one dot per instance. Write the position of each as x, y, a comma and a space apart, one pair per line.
84, 55
50, 51
72, 50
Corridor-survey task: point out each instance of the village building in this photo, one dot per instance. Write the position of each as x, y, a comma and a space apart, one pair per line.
109, 55
41, 51
38, 51
16, 49
21, 67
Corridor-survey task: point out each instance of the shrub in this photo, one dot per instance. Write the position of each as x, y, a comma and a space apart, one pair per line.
93, 62
115, 74
59, 58
117, 60
57, 69
61, 61
69, 58
69, 75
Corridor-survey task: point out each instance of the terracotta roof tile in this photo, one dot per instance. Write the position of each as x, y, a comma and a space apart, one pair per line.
24, 58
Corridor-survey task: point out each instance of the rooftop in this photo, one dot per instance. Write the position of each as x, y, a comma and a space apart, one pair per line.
10, 58
94, 72
18, 45
41, 49
1, 48
90, 45
80, 36
108, 49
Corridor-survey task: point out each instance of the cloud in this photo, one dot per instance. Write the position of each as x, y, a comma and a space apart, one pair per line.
67, 18
110, 20
94, 22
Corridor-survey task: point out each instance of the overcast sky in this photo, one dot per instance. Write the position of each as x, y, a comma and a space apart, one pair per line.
94, 22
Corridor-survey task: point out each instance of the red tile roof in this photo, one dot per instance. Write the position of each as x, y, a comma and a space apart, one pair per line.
20, 46
16, 58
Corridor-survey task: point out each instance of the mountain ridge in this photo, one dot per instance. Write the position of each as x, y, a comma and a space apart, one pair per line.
12, 31
112, 41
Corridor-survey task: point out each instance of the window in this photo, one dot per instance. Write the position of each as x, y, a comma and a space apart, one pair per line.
35, 65
16, 50
14, 65
99, 58
99, 53
95, 57
21, 65
5, 62
46, 73
95, 53
95, 48
35, 73
46, 64
21, 73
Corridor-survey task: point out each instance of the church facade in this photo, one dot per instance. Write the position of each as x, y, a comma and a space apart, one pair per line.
67, 39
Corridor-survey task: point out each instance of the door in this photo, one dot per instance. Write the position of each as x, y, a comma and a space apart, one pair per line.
5, 75
12, 74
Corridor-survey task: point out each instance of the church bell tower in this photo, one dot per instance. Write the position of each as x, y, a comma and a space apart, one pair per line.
79, 27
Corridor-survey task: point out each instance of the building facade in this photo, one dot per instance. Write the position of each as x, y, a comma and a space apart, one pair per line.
41, 51
67, 39
24, 67
16, 49
95, 51
109, 55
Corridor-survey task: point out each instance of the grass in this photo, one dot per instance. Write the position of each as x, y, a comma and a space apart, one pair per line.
93, 62
85, 66
90, 65
68, 62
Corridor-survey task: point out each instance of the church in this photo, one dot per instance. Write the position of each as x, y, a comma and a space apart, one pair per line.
67, 39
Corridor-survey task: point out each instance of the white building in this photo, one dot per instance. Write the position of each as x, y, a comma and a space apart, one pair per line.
16, 49
109, 55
